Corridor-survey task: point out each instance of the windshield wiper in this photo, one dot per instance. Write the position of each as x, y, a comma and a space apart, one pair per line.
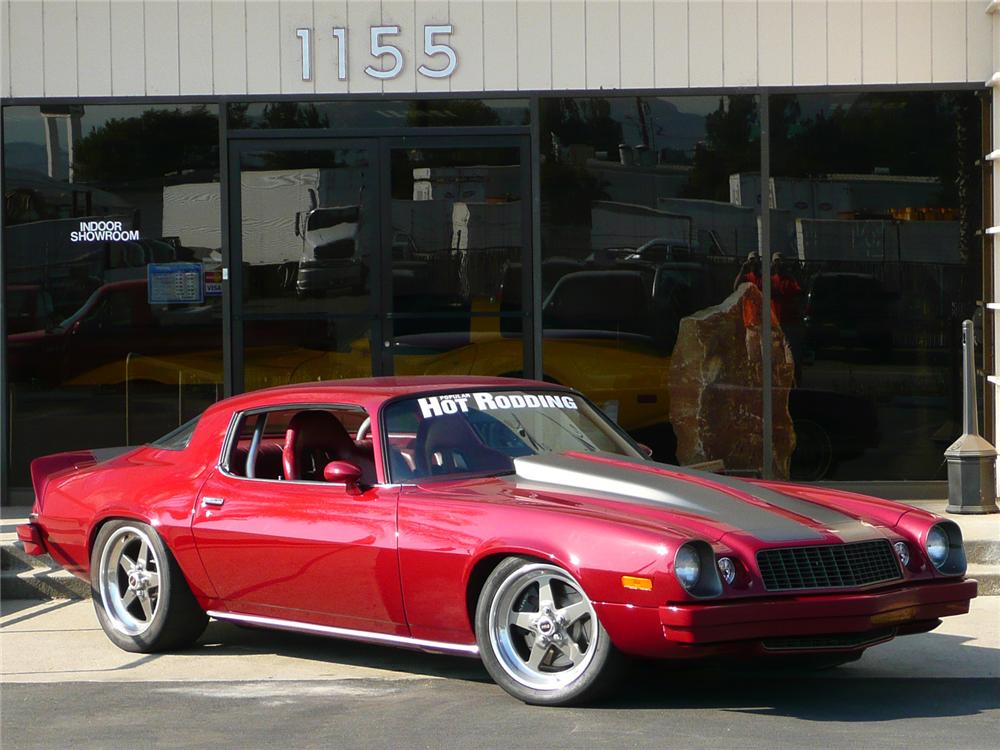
527, 436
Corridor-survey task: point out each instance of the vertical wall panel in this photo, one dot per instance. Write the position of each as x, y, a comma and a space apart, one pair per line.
400, 13
500, 45
434, 13
774, 42
296, 14
534, 55
739, 42
809, 42
467, 18
705, 43
163, 76
878, 41
4, 48
948, 51
326, 47
27, 68
913, 41
60, 47
670, 28
569, 44
229, 37
93, 54
194, 30
979, 38
638, 44
361, 16
844, 42
262, 48
128, 49
603, 47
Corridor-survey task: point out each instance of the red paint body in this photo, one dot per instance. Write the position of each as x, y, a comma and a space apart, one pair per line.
406, 560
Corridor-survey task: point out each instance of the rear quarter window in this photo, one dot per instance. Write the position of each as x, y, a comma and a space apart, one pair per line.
178, 439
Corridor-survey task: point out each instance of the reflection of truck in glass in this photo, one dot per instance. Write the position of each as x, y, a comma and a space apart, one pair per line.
331, 253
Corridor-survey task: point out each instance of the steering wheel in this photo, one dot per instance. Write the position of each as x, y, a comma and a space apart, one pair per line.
363, 429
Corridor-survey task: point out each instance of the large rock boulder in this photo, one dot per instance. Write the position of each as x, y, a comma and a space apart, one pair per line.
716, 406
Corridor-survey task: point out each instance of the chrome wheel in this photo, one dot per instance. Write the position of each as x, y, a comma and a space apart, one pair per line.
543, 628
130, 580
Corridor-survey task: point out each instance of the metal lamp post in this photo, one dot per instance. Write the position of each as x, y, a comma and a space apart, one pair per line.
971, 458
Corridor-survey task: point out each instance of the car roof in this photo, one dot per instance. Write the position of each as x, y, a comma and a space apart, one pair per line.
368, 392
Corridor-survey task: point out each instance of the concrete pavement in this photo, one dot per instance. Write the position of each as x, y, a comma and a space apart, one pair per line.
64, 684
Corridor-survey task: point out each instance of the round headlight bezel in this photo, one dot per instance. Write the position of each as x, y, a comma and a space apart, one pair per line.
687, 559
936, 545
697, 555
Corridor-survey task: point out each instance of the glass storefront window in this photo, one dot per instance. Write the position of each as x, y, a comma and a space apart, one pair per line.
376, 114
112, 250
644, 235
876, 204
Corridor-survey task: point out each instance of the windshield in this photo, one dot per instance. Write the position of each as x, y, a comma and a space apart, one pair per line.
483, 432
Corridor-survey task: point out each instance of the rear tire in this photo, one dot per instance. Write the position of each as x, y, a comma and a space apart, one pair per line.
141, 598
539, 636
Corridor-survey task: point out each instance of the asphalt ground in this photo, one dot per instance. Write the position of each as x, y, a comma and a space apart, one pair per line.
64, 685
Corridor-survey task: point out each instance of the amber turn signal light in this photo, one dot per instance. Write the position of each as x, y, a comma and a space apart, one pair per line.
637, 584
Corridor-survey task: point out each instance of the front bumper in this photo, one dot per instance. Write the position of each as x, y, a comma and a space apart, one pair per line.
320, 275
675, 628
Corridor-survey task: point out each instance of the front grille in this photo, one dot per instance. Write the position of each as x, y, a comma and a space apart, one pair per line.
831, 566
834, 642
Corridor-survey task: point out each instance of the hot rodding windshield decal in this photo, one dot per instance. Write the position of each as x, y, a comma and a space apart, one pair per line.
454, 403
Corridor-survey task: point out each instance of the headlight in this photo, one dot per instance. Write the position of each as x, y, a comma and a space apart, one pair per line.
728, 569
937, 546
687, 566
902, 552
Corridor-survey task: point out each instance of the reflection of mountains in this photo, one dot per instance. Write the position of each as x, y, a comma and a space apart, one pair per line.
669, 127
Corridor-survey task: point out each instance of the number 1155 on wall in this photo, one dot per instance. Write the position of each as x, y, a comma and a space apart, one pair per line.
382, 48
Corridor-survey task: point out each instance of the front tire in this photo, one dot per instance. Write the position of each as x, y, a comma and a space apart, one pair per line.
141, 598
539, 636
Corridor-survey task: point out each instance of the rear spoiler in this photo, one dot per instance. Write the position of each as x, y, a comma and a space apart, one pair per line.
45, 468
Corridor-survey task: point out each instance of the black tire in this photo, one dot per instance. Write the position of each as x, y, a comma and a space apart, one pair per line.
173, 620
601, 663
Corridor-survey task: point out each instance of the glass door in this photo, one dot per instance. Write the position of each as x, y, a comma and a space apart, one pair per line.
456, 241
352, 258
305, 256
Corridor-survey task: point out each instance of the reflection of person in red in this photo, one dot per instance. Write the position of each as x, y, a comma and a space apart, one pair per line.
749, 272
786, 293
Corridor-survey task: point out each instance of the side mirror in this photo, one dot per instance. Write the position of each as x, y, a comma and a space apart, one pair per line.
646, 450
298, 223
343, 472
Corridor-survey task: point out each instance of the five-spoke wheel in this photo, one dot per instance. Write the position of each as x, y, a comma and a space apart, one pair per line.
140, 595
539, 635
130, 580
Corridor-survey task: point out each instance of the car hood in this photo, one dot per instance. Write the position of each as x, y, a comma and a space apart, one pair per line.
683, 499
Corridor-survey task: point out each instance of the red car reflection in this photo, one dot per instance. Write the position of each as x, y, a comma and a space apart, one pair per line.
491, 517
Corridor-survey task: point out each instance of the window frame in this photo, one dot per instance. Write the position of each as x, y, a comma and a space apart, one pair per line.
233, 437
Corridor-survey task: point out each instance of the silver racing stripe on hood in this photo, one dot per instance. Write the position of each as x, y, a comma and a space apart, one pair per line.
709, 495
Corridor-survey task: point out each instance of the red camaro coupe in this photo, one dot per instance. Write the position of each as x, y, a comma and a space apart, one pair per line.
504, 519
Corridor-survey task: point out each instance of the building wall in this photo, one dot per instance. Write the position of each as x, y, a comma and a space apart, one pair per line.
70, 48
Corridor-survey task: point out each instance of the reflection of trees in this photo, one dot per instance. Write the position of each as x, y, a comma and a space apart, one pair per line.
427, 113
732, 144
156, 143
569, 188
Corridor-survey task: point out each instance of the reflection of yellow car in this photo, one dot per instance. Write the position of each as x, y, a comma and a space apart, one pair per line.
622, 372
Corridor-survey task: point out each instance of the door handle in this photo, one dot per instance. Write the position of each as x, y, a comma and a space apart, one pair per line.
214, 501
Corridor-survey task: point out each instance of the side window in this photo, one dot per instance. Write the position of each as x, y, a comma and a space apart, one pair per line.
296, 443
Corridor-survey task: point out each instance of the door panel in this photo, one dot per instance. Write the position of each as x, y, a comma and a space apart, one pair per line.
303, 551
